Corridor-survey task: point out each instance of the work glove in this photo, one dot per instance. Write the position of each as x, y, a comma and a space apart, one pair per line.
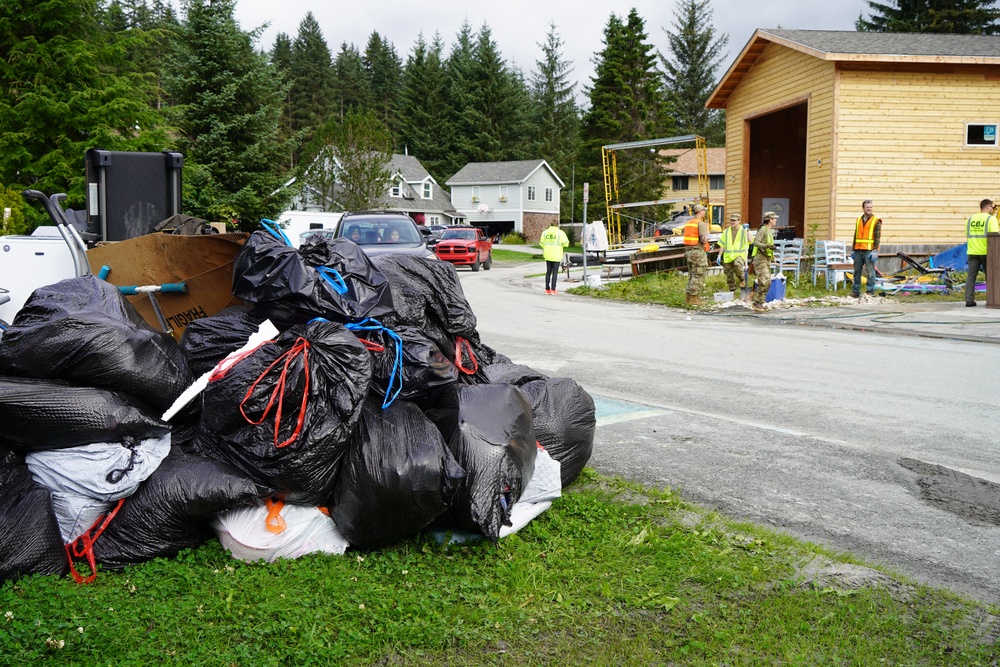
874, 256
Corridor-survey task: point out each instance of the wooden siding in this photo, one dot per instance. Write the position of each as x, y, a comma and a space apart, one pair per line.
901, 143
692, 191
779, 79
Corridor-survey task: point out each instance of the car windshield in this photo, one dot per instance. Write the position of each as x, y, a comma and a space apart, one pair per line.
379, 232
466, 234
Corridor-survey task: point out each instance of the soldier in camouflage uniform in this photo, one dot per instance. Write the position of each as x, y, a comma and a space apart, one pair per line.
696, 244
733, 246
763, 251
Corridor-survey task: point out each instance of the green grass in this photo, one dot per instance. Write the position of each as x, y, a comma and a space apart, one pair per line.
612, 574
515, 256
668, 289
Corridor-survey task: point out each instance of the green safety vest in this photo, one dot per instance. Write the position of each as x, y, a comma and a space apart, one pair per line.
733, 248
975, 232
768, 239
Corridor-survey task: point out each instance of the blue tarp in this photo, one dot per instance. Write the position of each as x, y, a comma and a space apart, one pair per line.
953, 258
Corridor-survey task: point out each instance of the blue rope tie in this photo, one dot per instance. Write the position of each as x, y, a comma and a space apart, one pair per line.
337, 282
271, 227
396, 377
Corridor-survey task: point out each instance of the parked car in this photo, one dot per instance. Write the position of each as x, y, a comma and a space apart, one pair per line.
432, 233
465, 245
381, 232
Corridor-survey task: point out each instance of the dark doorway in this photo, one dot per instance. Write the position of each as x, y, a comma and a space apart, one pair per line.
776, 167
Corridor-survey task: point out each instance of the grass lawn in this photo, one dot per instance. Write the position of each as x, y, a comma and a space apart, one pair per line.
613, 574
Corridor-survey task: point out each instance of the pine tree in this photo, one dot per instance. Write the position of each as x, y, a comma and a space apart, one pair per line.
973, 17
626, 104
350, 84
281, 58
555, 117
311, 78
695, 56
425, 127
232, 99
460, 94
66, 86
384, 71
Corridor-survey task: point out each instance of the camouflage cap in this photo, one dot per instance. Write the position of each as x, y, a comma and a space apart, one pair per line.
770, 215
735, 217
698, 208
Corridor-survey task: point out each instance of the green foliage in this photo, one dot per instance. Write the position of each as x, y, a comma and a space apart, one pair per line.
425, 121
66, 85
612, 573
514, 238
10, 198
348, 164
384, 71
311, 81
350, 85
694, 58
971, 17
231, 102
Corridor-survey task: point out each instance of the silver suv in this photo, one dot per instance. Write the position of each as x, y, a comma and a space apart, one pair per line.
379, 232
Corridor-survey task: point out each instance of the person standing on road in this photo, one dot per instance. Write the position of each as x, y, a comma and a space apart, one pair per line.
553, 241
696, 254
867, 235
763, 252
976, 229
734, 244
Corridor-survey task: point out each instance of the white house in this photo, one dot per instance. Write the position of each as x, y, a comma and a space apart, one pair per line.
500, 197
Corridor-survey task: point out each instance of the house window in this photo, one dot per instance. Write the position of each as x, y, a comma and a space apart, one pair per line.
475, 194
503, 193
396, 191
427, 190
435, 220
981, 134
716, 182
531, 193
679, 183
548, 194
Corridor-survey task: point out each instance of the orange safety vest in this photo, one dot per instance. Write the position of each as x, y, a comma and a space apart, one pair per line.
864, 234
691, 233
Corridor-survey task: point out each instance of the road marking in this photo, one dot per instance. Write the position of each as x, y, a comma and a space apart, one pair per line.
611, 411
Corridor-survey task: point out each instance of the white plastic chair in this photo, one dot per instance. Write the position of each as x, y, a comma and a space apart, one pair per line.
819, 260
836, 253
791, 257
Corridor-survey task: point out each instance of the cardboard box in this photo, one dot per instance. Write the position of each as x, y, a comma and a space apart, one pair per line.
204, 263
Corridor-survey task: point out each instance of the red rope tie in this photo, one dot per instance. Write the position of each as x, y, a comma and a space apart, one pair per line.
300, 347
461, 343
372, 346
223, 367
83, 546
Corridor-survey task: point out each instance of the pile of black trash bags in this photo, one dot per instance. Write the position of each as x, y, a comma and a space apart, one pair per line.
377, 401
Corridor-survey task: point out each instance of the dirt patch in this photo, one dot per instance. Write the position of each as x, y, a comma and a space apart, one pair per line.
822, 574
975, 500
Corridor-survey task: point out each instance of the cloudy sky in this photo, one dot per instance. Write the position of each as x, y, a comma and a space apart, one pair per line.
518, 26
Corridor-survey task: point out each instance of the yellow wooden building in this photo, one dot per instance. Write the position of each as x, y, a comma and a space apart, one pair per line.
682, 177
818, 121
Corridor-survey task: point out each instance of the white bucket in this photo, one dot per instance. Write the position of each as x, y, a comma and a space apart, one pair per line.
592, 281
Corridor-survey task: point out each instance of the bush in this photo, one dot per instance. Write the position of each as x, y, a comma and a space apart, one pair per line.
514, 238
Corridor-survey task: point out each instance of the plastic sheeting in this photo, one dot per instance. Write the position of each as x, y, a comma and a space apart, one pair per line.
397, 477
83, 330
284, 413
51, 414
251, 533
496, 447
172, 510
29, 534
326, 278
565, 422
422, 371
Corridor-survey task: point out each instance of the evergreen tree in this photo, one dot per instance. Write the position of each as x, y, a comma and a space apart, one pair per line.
281, 58
424, 109
626, 104
65, 87
555, 117
311, 78
349, 162
973, 17
460, 85
232, 99
384, 71
695, 56
350, 84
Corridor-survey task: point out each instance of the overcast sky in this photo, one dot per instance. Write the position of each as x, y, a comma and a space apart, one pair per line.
518, 26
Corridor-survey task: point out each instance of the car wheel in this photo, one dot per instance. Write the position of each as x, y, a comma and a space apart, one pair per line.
475, 263
488, 264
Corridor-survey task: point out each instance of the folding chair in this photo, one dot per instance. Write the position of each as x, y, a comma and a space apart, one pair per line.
941, 275
791, 257
836, 254
819, 260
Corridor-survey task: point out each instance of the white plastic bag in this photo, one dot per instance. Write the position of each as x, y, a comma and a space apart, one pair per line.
275, 530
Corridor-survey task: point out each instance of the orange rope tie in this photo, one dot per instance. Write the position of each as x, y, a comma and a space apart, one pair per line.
83, 546
300, 347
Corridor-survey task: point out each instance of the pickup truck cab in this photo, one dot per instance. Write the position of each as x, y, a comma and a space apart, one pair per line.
465, 245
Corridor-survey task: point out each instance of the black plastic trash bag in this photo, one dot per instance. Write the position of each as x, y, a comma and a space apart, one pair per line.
428, 297
284, 413
511, 373
208, 340
407, 365
50, 414
29, 533
496, 447
84, 331
326, 278
172, 510
396, 478
565, 421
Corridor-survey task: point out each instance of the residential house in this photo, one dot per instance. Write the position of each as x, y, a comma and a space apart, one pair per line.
818, 121
501, 197
682, 181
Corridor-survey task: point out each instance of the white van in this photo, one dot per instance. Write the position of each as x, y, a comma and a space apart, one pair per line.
297, 224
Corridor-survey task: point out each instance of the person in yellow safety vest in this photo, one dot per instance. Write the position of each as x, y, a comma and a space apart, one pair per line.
763, 253
553, 241
867, 235
696, 247
734, 243
976, 229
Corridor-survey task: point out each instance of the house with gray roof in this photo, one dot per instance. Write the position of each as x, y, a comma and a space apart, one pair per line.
817, 121
501, 197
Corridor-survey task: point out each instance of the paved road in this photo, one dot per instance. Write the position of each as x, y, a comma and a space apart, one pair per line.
882, 445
